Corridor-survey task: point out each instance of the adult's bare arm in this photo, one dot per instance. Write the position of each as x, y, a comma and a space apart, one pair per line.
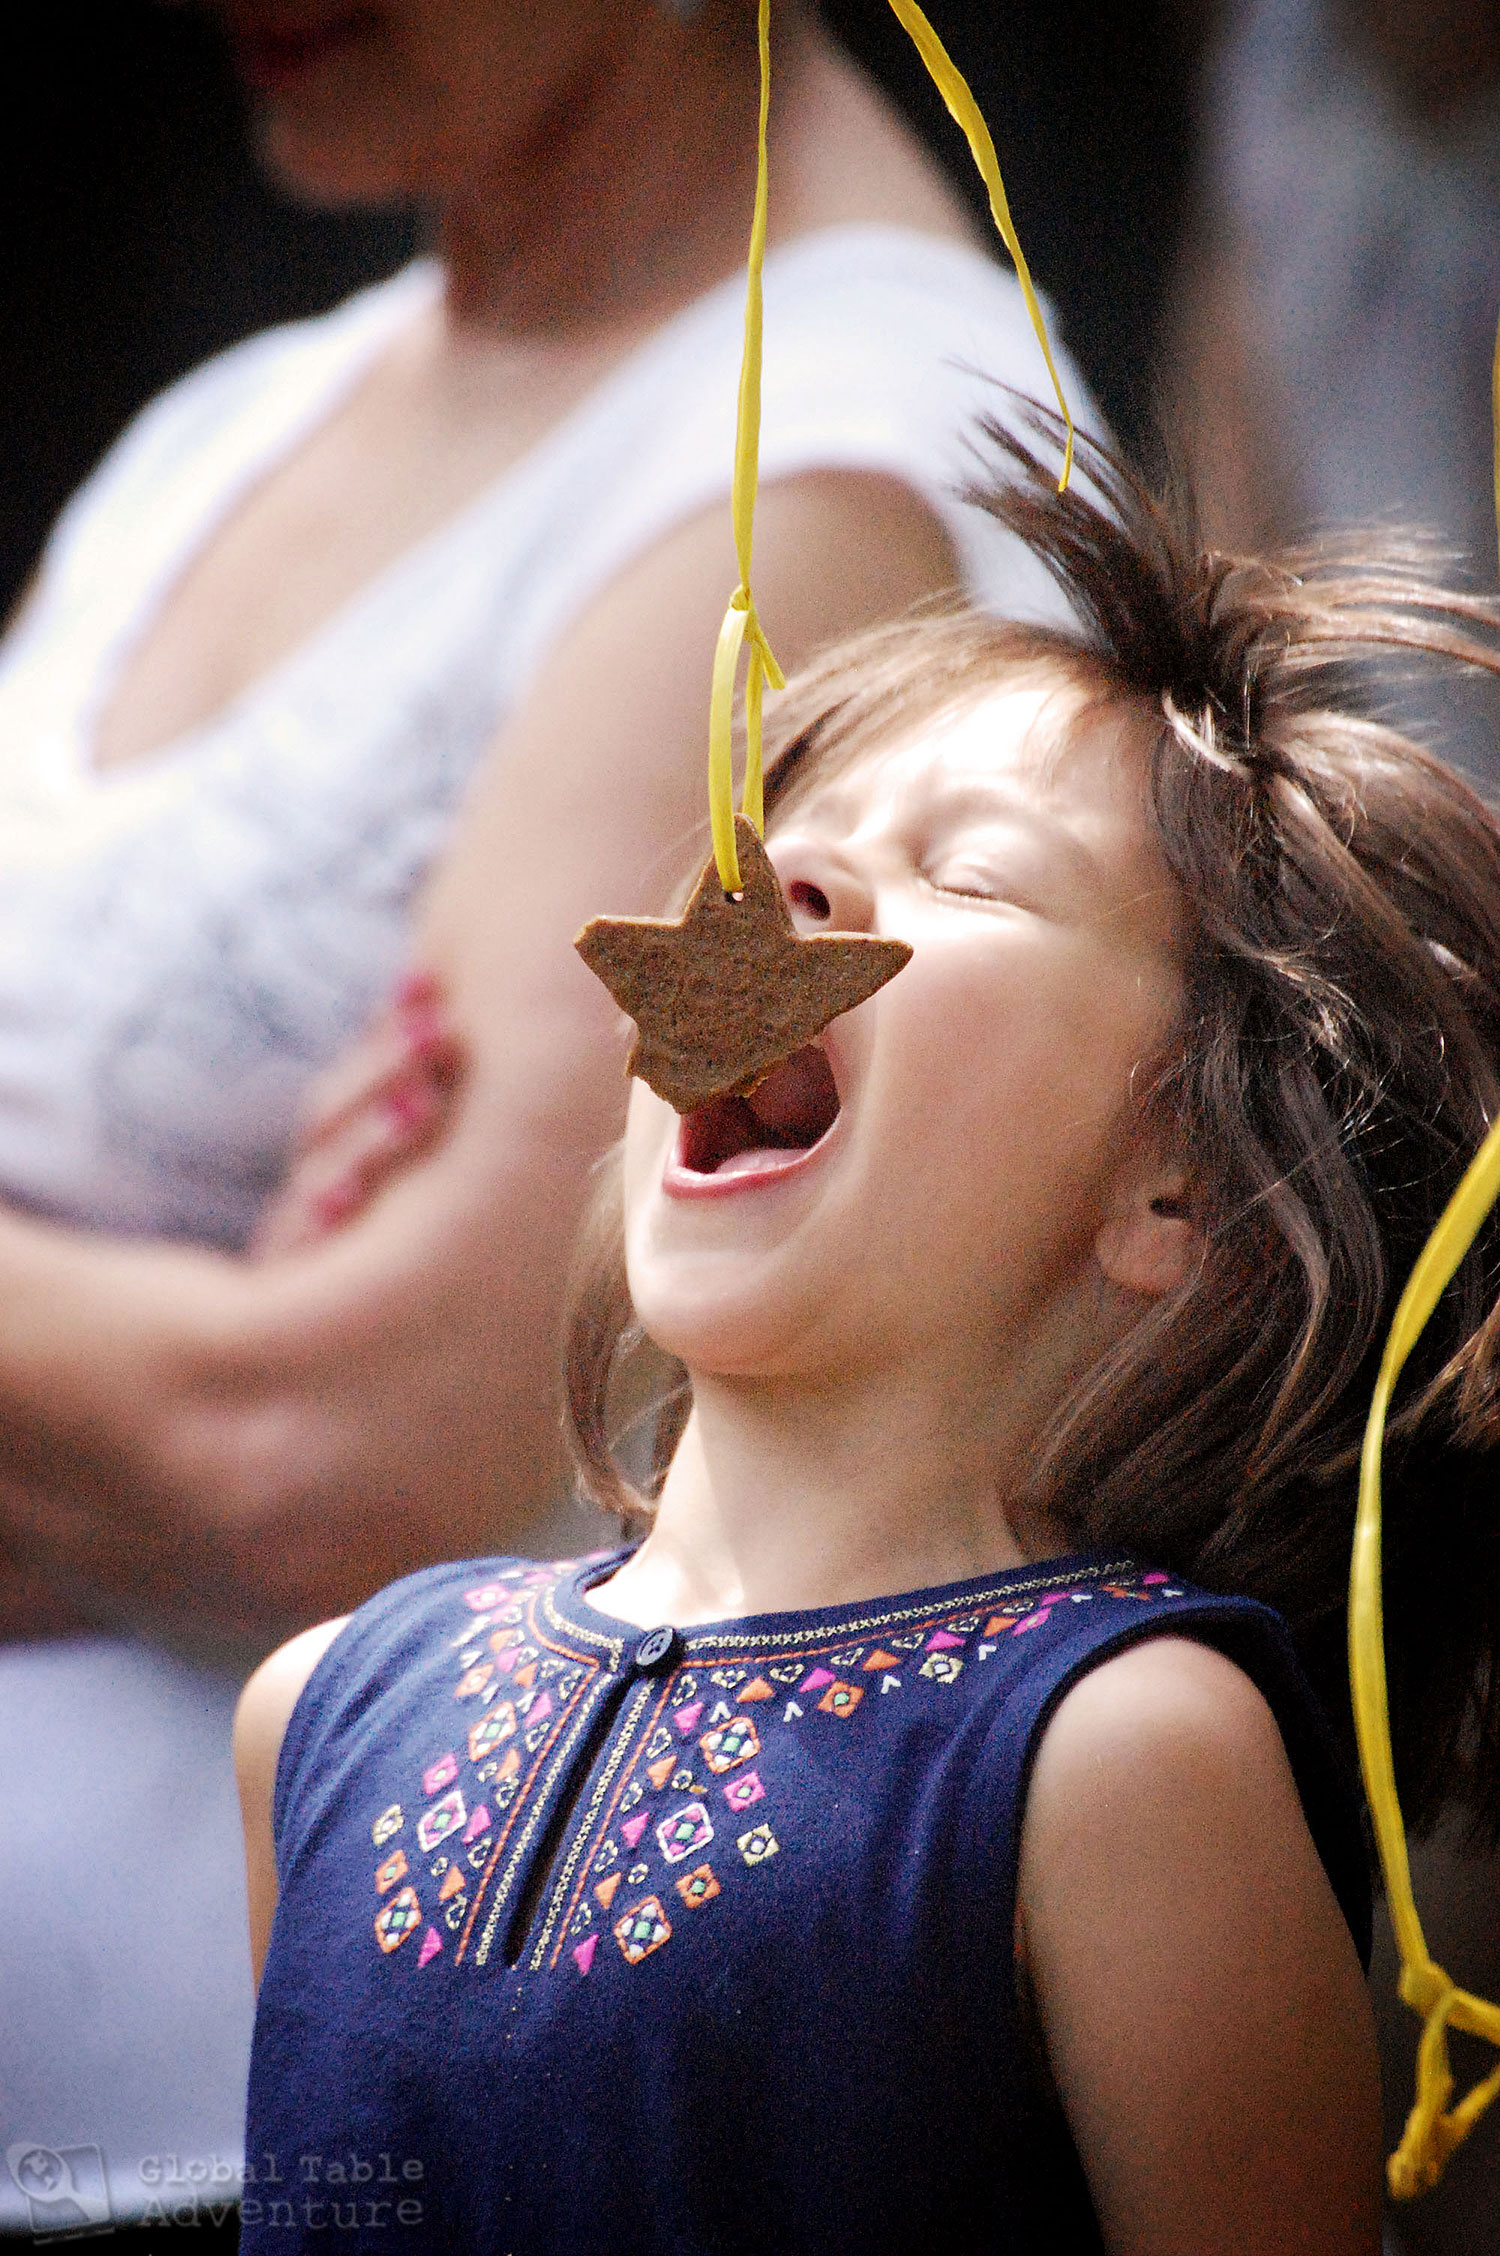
257, 1444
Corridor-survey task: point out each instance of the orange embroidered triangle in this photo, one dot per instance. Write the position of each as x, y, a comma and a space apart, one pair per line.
660, 1772
453, 1885
605, 1892
883, 1660
758, 1689
999, 1622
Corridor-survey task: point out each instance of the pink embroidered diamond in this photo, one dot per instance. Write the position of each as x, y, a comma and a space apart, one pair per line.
439, 1774
742, 1791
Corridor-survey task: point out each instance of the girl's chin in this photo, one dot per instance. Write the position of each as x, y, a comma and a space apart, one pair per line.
731, 1333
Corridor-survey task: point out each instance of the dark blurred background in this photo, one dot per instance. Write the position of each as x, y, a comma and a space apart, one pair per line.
139, 238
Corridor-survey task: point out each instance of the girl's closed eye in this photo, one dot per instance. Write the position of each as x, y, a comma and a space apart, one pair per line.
980, 873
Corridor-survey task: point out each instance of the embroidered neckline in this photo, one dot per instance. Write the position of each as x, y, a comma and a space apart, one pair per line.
595, 1792
564, 1605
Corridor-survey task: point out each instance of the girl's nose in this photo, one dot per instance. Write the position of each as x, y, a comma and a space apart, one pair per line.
825, 891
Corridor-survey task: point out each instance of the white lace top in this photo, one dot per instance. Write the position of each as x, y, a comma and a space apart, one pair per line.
185, 939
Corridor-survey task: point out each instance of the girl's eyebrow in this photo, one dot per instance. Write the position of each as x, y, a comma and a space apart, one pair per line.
988, 800
1112, 889
999, 799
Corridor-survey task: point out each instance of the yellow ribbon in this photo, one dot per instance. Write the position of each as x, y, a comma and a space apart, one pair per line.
742, 620
966, 113
1433, 2128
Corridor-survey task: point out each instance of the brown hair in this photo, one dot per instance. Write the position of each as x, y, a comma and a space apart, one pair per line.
1337, 1062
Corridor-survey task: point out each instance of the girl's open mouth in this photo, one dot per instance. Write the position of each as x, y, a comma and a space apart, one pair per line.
764, 1133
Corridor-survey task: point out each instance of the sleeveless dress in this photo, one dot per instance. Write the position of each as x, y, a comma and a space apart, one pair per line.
688, 1943
187, 939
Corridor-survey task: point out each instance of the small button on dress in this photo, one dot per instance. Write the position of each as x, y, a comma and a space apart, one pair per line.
655, 1649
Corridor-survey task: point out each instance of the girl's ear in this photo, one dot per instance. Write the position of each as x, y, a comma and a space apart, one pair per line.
1149, 1242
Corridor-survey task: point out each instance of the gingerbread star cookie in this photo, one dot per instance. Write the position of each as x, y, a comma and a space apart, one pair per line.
731, 988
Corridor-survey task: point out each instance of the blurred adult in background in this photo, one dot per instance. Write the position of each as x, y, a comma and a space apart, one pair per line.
384, 640
1337, 326
1339, 305
141, 236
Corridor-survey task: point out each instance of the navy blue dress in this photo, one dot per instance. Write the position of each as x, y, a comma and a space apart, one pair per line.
596, 1942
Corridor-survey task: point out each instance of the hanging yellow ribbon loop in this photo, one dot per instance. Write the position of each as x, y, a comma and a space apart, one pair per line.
1433, 2128
741, 620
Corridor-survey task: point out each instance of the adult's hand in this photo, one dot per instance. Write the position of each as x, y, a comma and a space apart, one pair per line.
384, 1104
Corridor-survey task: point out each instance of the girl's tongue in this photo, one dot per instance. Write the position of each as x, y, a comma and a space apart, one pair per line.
789, 1112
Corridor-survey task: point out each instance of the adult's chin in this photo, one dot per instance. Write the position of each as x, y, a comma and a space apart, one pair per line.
321, 163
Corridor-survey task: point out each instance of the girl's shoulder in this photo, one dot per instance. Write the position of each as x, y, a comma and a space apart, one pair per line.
1150, 1689
1180, 1912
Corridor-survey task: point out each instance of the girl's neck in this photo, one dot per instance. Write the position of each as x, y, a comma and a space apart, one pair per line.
779, 1501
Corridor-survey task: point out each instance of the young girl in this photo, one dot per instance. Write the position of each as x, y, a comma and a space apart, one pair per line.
925, 1837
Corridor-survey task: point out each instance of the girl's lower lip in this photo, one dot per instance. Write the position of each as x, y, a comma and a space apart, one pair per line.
749, 1171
